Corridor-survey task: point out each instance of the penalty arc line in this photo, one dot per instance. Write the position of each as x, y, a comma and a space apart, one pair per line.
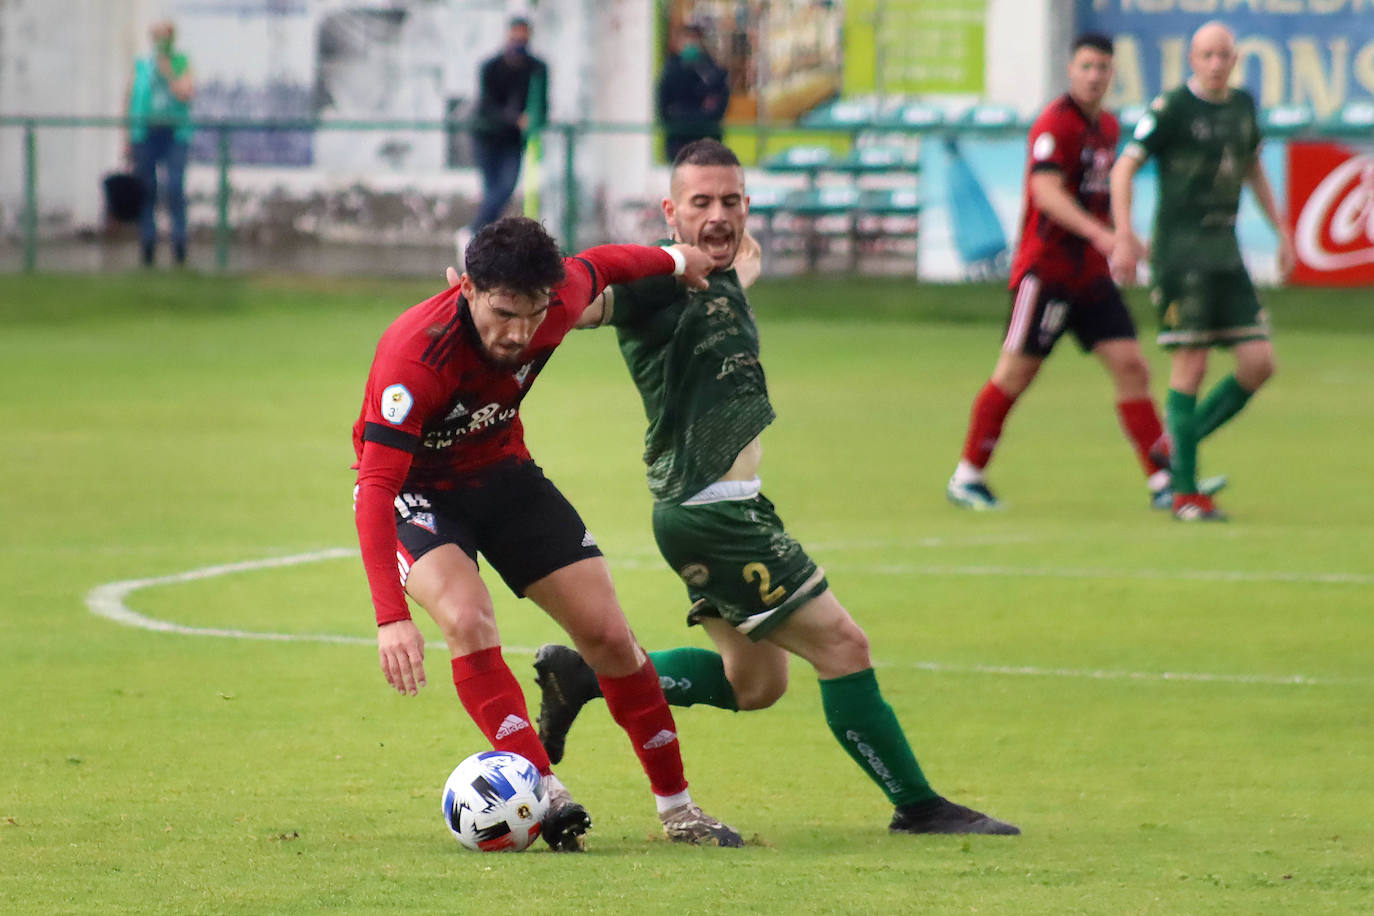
108, 601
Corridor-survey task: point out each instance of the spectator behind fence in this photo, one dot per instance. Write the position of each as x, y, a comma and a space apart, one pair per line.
693, 92
512, 104
159, 132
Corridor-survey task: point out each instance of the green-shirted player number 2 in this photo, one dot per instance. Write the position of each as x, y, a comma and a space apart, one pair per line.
757, 572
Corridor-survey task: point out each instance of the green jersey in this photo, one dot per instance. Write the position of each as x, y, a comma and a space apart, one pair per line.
1205, 151
694, 355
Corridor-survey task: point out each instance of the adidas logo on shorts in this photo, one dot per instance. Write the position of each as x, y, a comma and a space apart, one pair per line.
588, 540
512, 724
662, 739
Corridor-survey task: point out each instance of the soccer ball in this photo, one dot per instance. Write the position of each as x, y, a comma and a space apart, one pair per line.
495, 802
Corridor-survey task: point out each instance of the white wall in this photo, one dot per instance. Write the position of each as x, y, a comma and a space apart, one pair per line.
73, 57
1026, 50
66, 57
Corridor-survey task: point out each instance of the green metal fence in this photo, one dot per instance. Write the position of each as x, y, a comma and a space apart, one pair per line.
223, 131
838, 126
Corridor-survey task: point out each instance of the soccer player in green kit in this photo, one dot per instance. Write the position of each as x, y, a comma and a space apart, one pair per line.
695, 360
1205, 137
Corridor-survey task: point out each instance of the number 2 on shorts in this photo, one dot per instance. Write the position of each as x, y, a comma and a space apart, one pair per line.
758, 572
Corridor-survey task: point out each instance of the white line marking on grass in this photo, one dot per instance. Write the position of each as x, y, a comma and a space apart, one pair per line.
108, 601
973, 540
1058, 572
1109, 675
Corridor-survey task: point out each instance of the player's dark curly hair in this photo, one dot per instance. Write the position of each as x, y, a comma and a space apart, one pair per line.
705, 152
1095, 40
514, 254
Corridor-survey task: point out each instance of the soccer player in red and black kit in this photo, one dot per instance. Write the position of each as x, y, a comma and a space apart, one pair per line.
443, 472
1061, 281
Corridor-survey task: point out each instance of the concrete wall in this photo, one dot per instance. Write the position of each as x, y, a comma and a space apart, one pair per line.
66, 57
1027, 51
387, 59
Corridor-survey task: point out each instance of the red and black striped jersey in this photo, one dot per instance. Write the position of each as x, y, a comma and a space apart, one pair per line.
1064, 139
437, 411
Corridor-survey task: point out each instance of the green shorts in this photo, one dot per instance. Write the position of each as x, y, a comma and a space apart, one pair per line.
737, 562
1207, 308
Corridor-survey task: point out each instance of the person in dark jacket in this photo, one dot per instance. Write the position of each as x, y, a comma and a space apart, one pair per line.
693, 92
513, 102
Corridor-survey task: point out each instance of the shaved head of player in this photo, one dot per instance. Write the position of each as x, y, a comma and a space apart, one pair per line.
708, 207
1212, 57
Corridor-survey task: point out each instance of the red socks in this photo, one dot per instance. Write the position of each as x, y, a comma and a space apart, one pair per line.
990, 409
492, 696
1140, 420
637, 704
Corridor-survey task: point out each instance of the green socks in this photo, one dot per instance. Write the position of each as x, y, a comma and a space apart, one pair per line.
1223, 402
693, 676
1191, 422
1181, 410
868, 730
855, 710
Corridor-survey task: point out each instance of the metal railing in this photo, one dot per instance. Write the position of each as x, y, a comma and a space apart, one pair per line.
755, 143
223, 130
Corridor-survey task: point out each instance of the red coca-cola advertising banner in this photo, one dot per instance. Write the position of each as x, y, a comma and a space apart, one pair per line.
1331, 210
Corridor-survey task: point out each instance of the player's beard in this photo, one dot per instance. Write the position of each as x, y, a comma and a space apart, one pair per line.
504, 358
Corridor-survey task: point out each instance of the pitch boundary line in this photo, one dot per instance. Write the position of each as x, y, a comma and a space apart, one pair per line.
108, 601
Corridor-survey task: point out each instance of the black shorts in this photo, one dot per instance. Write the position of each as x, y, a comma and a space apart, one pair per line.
512, 513
1041, 312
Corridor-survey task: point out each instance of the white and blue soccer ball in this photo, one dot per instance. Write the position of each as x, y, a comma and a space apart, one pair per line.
495, 802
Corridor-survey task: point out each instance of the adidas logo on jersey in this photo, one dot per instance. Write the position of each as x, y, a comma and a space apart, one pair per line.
458, 411
588, 540
512, 724
662, 739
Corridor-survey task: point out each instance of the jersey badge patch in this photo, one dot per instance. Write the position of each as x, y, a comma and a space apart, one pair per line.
1145, 126
1043, 147
396, 404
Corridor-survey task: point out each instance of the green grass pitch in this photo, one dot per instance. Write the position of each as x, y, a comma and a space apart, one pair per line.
1179, 717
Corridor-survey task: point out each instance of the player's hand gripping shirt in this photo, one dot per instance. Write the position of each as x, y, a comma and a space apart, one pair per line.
694, 356
1205, 151
1063, 139
437, 411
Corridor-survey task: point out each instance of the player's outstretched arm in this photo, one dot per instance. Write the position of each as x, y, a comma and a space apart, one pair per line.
696, 264
1264, 196
1127, 249
691, 265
